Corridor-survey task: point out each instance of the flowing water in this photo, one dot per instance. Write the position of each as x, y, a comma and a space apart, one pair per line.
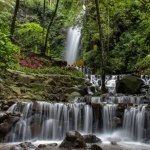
72, 45
51, 121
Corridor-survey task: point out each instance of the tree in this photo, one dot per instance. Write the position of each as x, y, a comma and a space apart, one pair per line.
12, 28
101, 46
48, 29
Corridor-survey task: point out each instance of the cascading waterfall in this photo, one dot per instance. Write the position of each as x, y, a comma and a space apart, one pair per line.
48, 121
72, 44
109, 112
135, 122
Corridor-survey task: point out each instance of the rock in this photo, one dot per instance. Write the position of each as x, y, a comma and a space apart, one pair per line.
73, 95
148, 93
3, 116
91, 138
35, 129
129, 85
15, 89
37, 86
1, 87
73, 139
5, 127
117, 121
23, 146
12, 119
52, 144
113, 143
95, 147
5, 107
50, 82
42, 146
25, 79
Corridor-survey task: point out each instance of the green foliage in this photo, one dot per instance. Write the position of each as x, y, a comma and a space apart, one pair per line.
50, 70
126, 31
92, 59
7, 51
30, 35
143, 64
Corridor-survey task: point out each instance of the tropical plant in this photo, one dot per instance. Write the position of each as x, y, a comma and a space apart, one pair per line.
7, 51
30, 36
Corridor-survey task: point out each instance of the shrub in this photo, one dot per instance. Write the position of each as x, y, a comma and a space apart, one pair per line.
7, 51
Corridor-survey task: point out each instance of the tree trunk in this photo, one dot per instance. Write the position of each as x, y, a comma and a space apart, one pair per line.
101, 46
12, 28
43, 19
48, 29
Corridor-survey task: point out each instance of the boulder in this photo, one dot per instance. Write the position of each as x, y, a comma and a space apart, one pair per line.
25, 79
113, 143
91, 138
15, 89
129, 85
5, 127
95, 147
3, 116
73, 139
73, 95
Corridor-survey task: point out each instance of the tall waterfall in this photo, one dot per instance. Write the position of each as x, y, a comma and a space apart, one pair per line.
72, 45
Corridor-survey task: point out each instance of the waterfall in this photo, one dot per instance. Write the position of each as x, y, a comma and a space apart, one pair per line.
49, 121
134, 122
72, 45
109, 112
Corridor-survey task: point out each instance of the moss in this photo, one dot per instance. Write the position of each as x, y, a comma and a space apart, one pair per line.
100, 92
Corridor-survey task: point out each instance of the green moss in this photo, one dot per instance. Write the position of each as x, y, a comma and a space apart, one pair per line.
100, 92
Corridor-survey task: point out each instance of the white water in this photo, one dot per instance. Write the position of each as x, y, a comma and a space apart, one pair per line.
52, 121
72, 45
109, 112
134, 122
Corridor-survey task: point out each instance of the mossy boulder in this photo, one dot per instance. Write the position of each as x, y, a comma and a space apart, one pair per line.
25, 79
73, 95
129, 85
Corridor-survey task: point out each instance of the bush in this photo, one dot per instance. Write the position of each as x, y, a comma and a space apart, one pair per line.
30, 35
7, 51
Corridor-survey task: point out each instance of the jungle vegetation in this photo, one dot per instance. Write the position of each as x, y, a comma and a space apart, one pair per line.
115, 34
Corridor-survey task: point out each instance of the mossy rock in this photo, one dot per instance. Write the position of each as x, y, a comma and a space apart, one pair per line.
26, 79
98, 93
50, 81
15, 89
73, 95
37, 87
129, 85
